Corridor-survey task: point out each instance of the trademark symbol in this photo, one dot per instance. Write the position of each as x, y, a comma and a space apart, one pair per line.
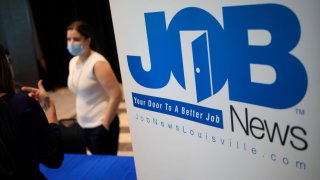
300, 111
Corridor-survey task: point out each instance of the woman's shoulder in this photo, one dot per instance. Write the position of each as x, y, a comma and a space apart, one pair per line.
20, 100
95, 56
17, 96
73, 60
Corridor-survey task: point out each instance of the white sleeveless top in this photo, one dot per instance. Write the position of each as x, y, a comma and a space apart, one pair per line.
91, 99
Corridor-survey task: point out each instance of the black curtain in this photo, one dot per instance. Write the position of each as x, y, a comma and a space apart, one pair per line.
51, 19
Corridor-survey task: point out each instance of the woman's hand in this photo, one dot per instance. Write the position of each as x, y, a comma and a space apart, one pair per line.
39, 94
105, 123
42, 96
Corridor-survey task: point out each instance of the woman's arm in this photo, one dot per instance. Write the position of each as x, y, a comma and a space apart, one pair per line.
109, 82
49, 134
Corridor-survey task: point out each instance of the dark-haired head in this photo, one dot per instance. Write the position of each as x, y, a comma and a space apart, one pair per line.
6, 78
85, 30
8, 128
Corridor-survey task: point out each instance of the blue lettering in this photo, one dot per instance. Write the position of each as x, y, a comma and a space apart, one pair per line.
222, 54
291, 78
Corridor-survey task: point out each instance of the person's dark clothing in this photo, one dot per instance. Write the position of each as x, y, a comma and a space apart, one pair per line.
35, 140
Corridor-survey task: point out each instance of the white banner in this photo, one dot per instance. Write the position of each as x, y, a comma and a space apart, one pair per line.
221, 89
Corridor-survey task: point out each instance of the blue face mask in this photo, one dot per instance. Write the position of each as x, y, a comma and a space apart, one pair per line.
75, 49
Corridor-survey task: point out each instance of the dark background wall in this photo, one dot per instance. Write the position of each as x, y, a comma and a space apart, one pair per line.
47, 24
16, 35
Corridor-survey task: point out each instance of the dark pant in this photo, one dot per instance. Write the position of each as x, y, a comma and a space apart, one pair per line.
101, 141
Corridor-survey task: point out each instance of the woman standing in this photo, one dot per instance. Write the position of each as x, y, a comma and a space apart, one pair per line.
97, 90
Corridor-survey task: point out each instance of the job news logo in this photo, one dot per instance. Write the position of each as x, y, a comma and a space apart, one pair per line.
229, 52
223, 54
